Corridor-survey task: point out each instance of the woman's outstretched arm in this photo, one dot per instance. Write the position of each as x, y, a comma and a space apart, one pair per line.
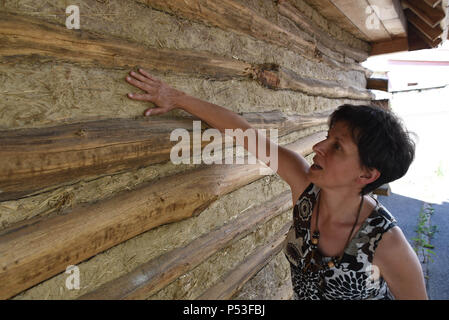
291, 166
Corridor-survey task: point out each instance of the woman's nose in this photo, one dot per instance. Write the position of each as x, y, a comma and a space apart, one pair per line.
319, 148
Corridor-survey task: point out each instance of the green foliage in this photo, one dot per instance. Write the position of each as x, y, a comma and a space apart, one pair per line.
425, 232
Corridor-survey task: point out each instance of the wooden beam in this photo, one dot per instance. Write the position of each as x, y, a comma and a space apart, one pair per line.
416, 39
33, 253
230, 284
431, 33
22, 36
432, 3
37, 159
400, 11
396, 45
364, 17
433, 44
159, 272
287, 9
377, 84
329, 11
431, 16
278, 78
422, 39
391, 16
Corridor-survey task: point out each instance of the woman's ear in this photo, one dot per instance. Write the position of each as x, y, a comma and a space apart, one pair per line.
369, 175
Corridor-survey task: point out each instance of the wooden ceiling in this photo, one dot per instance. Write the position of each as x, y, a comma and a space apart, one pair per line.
388, 25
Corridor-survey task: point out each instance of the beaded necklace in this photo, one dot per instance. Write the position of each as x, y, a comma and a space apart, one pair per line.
318, 265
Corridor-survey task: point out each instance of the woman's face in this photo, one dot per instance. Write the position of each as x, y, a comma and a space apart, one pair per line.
336, 162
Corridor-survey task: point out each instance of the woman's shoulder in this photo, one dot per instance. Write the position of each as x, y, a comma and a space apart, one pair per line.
311, 192
381, 216
379, 223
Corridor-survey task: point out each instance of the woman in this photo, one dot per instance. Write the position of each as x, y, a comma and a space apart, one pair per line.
342, 244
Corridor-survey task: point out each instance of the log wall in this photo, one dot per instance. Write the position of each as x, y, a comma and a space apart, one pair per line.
86, 180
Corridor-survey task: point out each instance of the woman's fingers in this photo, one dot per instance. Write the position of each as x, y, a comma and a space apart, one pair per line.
146, 74
156, 91
142, 78
139, 96
154, 111
137, 83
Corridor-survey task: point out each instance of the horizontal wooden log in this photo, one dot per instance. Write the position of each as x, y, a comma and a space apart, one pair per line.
287, 9
396, 45
32, 160
159, 272
428, 31
230, 284
279, 78
231, 15
25, 36
33, 253
377, 84
430, 15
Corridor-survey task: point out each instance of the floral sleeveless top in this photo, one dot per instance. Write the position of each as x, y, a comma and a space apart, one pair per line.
355, 277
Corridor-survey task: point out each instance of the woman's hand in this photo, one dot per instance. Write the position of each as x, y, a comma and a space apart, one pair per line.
156, 91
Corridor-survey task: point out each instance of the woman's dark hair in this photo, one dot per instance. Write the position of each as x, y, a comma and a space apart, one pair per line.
382, 141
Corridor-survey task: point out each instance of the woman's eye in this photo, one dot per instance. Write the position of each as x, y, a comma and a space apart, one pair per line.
337, 146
